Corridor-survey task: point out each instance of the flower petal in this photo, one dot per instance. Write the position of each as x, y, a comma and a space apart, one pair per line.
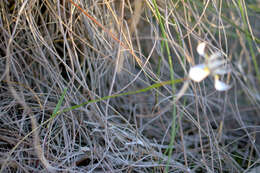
215, 55
221, 86
201, 48
216, 63
198, 72
222, 71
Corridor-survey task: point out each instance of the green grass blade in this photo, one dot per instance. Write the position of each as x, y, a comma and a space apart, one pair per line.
156, 85
57, 108
173, 127
248, 36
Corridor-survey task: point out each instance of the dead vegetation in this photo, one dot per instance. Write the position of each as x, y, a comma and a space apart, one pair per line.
98, 49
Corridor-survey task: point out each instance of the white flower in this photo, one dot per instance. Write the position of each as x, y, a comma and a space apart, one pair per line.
214, 65
199, 72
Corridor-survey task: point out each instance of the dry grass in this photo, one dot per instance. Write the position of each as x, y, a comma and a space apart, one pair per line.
115, 47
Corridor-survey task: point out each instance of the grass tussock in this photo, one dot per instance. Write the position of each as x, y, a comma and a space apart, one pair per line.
102, 86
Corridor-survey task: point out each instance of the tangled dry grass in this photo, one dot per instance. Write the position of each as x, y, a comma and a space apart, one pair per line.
121, 46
